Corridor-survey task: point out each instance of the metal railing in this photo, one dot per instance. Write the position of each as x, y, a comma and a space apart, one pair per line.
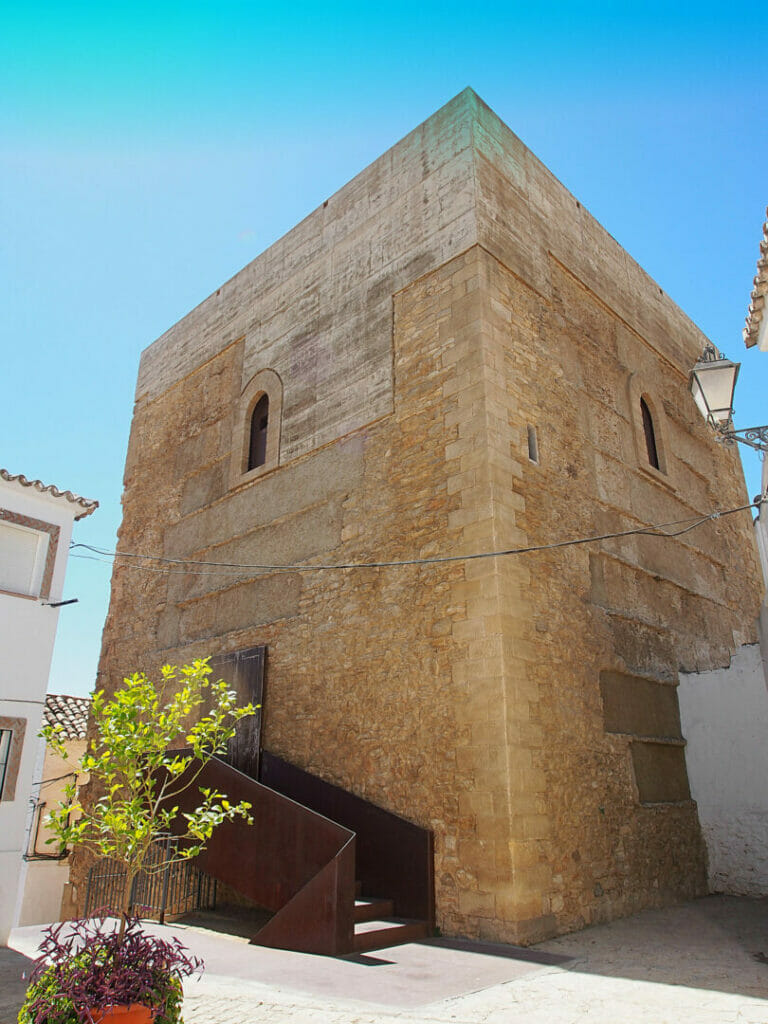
165, 888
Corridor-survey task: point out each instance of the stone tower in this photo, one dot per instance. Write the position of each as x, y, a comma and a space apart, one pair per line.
451, 357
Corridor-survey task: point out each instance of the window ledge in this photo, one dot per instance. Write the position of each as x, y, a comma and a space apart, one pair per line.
24, 597
252, 475
658, 477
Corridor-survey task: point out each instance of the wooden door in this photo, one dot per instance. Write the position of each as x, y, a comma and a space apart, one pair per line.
244, 672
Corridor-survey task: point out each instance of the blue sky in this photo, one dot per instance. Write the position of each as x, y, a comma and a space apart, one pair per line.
147, 152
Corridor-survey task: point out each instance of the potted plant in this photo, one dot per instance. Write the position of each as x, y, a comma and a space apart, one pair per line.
136, 774
87, 974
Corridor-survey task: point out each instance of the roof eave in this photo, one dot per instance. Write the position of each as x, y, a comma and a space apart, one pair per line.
756, 326
86, 505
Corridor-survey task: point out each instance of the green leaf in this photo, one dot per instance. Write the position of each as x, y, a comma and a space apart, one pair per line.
130, 769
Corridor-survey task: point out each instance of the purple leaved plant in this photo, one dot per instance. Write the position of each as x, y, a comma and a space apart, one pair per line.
86, 967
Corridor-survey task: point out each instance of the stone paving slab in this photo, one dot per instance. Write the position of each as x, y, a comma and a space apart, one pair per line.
407, 976
705, 962
719, 943
558, 1001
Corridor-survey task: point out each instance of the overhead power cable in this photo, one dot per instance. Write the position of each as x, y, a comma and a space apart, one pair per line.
234, 568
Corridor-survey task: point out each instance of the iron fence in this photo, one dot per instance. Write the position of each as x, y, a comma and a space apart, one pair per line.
167, 887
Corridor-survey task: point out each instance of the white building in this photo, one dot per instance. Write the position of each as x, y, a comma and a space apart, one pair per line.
756, 333
725, 713
35, 529
47, 864
756, 327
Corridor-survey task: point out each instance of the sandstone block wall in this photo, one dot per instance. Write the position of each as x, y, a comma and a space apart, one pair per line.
316, 307
523, 707
610, 622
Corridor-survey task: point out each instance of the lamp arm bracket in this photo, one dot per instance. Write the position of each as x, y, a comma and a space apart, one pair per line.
755, 437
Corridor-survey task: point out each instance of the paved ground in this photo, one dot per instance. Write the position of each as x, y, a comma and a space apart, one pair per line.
705, 962
13, 969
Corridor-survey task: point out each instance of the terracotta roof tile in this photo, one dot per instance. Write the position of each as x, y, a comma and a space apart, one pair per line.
86, 504
759, 297
71, 713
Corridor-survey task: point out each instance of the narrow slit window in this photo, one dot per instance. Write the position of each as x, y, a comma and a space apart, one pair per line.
257, 450
533, 445
650, 435
5, 756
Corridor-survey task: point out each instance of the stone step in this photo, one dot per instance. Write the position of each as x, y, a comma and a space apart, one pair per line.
388, 932
370, 909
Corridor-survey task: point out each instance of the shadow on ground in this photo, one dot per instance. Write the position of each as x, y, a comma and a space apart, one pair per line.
716, 942
14, 972
243, 922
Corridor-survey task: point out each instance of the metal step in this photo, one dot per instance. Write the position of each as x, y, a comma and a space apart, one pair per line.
372, 909
379, 934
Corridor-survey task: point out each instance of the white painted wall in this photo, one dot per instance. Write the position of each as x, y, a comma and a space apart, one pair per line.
761, 536
27, 633
762, 333
724, 716
44, 880
761, 530
43, 890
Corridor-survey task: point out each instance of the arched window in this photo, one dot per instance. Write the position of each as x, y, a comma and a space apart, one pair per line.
648, 422
256, 428
257, 449
650, 435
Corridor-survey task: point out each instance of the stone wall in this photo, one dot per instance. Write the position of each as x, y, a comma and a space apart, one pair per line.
359, 677
478, 698
524, 707
609, 623
316, 307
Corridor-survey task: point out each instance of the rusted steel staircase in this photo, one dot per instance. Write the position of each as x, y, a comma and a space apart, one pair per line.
376, 926
312, 849
393, 857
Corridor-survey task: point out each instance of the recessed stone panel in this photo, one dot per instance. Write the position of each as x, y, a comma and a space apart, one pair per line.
660, 773
326, 474
640, 707
267, 599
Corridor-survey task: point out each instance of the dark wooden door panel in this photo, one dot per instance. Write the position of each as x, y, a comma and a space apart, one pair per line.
244, 671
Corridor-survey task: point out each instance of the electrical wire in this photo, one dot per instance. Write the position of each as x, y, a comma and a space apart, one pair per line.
234, 568
167, 572
57, 778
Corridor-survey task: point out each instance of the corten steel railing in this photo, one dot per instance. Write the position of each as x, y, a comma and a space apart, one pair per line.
394, 857
167, 888
291, 861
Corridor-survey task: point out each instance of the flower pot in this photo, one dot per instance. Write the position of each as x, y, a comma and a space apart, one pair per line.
133, 1014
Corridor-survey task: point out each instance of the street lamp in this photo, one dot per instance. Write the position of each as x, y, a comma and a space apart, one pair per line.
713, 380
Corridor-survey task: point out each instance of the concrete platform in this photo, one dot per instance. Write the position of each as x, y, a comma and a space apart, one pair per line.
401, 977
705, 962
